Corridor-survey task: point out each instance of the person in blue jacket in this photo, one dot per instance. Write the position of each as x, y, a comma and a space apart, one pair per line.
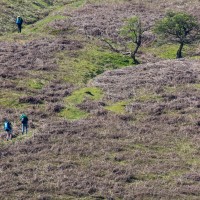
8, 129
19, 22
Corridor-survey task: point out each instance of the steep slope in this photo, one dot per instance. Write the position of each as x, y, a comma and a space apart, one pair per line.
140, 141
31, 11
128, 133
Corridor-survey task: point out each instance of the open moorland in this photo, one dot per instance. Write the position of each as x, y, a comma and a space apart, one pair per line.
99, 126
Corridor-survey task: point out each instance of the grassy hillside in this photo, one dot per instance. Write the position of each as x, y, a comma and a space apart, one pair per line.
32, 11
99, 129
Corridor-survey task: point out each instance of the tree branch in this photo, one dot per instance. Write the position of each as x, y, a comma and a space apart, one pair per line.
110, 45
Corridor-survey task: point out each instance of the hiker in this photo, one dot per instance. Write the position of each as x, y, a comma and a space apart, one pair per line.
24, 121
19, 22
8, 129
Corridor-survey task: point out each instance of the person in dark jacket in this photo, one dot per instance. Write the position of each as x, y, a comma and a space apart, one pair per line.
8, 129
24, 121
19, 22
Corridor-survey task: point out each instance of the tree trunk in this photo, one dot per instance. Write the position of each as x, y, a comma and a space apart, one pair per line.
133, 55
138, 44
179, 52
110, 45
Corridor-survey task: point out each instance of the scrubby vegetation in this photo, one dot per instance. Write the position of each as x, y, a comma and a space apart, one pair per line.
100, 128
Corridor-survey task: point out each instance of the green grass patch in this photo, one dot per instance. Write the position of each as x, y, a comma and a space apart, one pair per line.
85, 64
10, 99
118, 107
73, 113
166, 51
195, 57
36, 84
79, 96
42, 26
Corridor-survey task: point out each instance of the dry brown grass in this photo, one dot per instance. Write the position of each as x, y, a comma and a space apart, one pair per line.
107, 18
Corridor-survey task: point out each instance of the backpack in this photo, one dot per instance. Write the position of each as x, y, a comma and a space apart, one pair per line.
24, 119
19, 20
7, 126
